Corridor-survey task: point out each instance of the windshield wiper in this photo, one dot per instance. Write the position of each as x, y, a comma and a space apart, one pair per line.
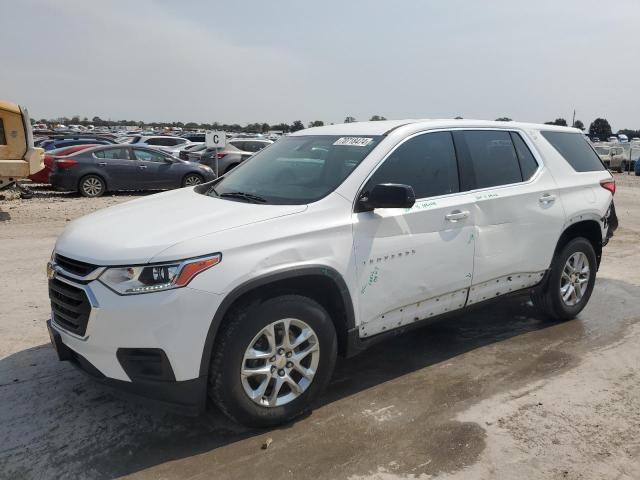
243, 196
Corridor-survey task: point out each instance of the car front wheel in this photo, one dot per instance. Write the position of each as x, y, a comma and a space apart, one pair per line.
272, 360
191, 180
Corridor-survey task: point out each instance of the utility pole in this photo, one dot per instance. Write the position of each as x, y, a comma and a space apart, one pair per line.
573, 123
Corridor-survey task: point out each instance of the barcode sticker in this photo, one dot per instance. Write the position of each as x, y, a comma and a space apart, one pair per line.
353, 141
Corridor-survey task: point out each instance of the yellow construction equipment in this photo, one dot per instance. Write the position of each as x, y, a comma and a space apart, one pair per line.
18, 157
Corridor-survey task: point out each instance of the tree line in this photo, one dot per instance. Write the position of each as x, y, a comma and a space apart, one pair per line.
600, 127
234, 127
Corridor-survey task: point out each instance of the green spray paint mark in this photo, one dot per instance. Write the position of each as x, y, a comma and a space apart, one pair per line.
373, 278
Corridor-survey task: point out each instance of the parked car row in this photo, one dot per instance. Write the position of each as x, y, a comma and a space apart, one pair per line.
136, 162
94, 171
60, 141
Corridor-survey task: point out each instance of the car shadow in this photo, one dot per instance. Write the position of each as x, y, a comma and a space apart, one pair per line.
57, 422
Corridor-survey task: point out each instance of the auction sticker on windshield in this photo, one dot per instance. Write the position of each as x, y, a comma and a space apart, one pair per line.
354, 141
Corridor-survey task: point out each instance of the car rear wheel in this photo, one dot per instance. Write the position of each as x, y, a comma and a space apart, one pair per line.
92, 186
272, 359
191, 180
570, 282
623, 167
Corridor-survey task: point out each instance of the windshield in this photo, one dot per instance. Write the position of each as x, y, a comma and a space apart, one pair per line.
602, 150
295, 170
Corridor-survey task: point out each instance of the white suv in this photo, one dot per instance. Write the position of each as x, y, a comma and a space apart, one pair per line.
245, 289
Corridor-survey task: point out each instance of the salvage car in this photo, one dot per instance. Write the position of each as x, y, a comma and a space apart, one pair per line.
95, 171
613, 157
229, 157
245, 289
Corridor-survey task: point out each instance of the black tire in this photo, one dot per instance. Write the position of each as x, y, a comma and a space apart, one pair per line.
548, 297
192, 179
241, 325
623, 167
231, 167
92, 186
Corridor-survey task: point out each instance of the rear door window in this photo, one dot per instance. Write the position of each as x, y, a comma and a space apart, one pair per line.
575, 150
148, 155
427, 163
113, 153
491, 157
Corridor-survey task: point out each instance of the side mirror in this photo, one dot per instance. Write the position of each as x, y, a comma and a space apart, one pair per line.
388, 195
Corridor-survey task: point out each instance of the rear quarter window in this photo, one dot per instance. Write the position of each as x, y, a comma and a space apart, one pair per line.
575, 150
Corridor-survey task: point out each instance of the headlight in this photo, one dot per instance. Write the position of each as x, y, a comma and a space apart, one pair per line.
152, 278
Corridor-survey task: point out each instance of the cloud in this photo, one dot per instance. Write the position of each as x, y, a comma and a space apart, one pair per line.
280, 61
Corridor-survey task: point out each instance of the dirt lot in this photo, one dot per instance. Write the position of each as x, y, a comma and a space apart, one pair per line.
496, 393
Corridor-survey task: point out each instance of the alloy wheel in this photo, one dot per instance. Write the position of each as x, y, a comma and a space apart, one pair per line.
280, 362
192, 180
575, 279
92, 186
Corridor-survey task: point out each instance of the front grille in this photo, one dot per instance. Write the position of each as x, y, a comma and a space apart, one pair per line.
70, 306
76, 267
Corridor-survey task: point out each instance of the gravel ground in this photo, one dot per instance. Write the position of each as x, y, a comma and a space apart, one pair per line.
495, 393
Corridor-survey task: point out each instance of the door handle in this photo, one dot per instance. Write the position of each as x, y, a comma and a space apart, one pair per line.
142, 167
547, 199
456, 215
102, 164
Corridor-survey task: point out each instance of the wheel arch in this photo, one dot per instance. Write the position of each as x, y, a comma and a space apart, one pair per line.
323, 284
589, 229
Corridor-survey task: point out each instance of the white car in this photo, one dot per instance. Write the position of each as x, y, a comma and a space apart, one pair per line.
245, 289
163, 142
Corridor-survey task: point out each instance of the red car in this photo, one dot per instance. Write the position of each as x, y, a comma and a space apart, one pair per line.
43, 175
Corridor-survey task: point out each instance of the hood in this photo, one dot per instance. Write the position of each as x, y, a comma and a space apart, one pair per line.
136, 231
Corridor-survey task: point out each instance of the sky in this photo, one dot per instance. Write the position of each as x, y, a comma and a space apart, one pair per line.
279, 61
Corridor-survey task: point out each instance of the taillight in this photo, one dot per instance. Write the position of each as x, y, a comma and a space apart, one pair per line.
609, 185
64, 162
222, 155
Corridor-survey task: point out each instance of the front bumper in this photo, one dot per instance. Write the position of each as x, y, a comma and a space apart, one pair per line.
150, 345
186, 397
